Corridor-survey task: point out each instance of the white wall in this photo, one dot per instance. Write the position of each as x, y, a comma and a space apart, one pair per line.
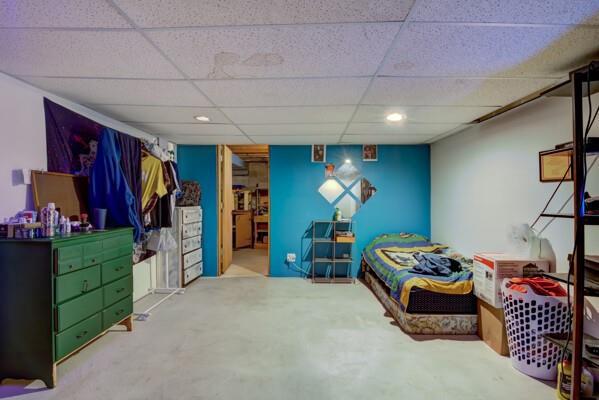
486, 178
23, 137
23, 145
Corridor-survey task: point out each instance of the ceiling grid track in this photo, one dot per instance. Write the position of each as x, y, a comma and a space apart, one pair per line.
294, 72
392, 45
168, 59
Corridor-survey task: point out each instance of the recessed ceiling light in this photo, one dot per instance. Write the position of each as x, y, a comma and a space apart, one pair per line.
347, 161
202, 118
395, 117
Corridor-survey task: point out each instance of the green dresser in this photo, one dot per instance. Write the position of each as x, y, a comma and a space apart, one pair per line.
59, 294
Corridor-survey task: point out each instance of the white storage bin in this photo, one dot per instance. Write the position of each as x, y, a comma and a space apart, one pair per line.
527, 317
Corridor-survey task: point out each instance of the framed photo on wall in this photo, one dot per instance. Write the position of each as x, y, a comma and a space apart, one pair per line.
319, 153
370, 152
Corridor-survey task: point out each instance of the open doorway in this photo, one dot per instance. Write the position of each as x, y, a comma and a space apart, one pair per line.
245, 205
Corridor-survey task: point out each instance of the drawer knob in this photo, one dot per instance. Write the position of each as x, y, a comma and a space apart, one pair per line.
82, 334
71, 266
119, 312
119, 268
85, 286
119, 290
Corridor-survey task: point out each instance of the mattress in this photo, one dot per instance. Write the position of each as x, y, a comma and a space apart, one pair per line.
422, 324
424, 302
394, 258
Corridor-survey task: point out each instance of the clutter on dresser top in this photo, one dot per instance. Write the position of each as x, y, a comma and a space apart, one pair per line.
25, 224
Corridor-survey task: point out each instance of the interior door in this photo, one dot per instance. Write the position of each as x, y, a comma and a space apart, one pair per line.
226, 207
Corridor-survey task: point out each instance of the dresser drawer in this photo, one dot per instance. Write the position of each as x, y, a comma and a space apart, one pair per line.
118, 290
75, 284
77, 335
192, 272
78, 309
117, 312
190, 244
115, 269
192, 258
117, 241
112, 253
70, 252
69, 265
92, 253
193, 229
192, 215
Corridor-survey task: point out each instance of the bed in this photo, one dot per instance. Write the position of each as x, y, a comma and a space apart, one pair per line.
422, 300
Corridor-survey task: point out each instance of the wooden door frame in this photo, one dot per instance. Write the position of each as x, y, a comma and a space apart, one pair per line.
219, 156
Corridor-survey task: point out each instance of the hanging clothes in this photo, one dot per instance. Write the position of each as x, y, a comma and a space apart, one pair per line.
131, 165
162, 214
152, 179
108, 186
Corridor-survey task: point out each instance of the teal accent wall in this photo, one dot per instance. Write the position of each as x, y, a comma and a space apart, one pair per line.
198, 163
401, 204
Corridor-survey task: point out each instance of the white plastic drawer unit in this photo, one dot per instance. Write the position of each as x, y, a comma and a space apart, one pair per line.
192, 258
193, 229
191, 244
192, 215
193, 272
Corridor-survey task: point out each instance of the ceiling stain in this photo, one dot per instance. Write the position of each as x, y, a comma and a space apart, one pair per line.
224, 59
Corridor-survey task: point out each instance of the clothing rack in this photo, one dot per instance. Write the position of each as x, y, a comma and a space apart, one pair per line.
143, 316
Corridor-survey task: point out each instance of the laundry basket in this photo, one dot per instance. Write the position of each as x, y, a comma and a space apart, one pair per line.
527, 317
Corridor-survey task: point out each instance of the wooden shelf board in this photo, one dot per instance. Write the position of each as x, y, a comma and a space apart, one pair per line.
332, 260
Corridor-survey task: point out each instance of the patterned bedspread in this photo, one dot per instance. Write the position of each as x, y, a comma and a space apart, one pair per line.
391, 257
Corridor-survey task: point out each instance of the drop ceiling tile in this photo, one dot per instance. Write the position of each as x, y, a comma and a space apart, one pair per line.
209, 139
123, 91
293, 129
451, 92
188, 129
116, 54
60, 14
284, 92
490, 50
278, 51
365, 128
162, 114
386, 139
294, 140
508, 11
447, 114
181, 13
277, 115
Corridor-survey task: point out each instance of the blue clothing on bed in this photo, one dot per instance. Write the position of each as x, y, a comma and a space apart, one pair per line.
435, 264
108, 186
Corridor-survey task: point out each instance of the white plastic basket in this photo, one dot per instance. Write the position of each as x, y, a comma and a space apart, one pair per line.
527, 317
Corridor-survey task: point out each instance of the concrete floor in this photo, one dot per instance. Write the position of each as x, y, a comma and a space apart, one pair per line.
251, 338
248, 262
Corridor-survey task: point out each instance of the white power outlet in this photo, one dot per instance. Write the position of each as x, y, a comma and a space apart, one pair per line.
291, 257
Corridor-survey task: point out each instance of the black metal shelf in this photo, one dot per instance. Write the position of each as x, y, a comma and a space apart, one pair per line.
588, 219
590, 288
343, 264
560, 339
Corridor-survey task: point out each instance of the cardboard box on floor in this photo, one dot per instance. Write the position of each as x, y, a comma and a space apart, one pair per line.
491, 268
491, 327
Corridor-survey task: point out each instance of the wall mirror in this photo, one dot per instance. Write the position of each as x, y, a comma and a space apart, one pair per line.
347, 190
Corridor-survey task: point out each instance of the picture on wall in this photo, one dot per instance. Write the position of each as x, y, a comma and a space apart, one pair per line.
369, 152
319, 153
